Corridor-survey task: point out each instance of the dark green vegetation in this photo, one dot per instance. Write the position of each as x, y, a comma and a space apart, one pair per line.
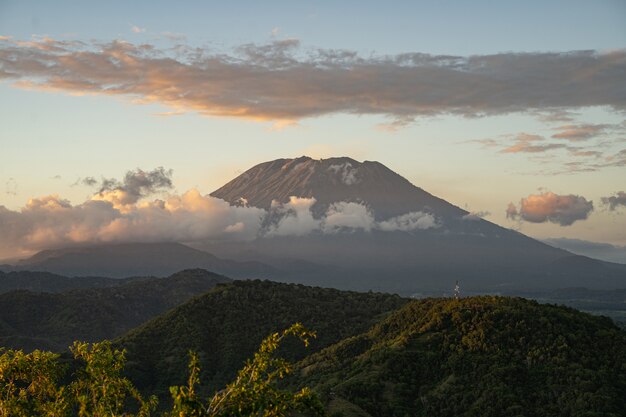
30, 385
226, 325
479, 356
375, 354
47, 282
31, 320
599, 302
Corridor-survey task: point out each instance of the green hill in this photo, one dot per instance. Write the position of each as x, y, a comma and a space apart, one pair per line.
226, 325
48, 282
479, 356
32, 320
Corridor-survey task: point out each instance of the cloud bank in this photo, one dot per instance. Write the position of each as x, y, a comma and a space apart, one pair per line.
281, 81
120, 211
550, 207
295, 218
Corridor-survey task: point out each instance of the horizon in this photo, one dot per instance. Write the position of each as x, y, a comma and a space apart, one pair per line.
522, 127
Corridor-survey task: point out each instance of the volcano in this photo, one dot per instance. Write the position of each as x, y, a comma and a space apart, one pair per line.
390, 250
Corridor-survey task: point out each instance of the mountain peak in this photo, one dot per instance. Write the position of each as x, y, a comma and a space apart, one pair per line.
332, 180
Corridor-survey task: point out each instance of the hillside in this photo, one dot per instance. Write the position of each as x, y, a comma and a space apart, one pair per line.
31, 320
226, 325
133, 259
479, 356
48, 282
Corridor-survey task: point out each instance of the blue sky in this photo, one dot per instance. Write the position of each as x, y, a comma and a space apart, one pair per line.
50, 138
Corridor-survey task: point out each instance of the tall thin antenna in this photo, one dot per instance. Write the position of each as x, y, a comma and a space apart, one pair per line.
457, 291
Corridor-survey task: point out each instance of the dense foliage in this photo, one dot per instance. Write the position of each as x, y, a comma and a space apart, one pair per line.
480, 356
30, 387
36, 320
376, 355
226, 325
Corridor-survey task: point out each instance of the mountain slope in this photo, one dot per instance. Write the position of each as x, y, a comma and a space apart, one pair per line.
331, 180
131, 259
30, 320
226, 325
482, 356
48, 282
485, 256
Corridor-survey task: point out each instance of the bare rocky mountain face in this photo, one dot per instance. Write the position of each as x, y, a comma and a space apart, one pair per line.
411, 241
332, 180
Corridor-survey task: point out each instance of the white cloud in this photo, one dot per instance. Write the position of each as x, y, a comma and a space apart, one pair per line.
416, 220
342, 215
476, 215
294, 218
347, 174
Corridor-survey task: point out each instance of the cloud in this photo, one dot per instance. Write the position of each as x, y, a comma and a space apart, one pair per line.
137, 29
135, 185
10, 187
616, 201
342, 216
293, 218
579, 132
52, 222
347, 173
525, 143
550, 207
88, 181
416, 220
282, 81
174, 36
511, 212
476, 215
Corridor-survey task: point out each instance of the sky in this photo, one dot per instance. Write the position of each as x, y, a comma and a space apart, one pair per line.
515, 111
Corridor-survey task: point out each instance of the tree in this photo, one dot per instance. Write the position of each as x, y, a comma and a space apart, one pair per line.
29, 385
254, 391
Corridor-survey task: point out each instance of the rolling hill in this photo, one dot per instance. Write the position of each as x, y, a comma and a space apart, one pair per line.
36, 320
479, 356
226, 325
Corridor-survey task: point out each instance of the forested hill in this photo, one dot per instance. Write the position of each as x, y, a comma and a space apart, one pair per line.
226, 325
480, 356
39, 320
48, 282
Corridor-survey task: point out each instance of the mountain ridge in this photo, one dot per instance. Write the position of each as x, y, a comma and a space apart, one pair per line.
120, 260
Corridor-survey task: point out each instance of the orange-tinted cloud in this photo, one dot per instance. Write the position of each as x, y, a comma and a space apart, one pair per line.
525, 143
579, 132
281, 82
550, 207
